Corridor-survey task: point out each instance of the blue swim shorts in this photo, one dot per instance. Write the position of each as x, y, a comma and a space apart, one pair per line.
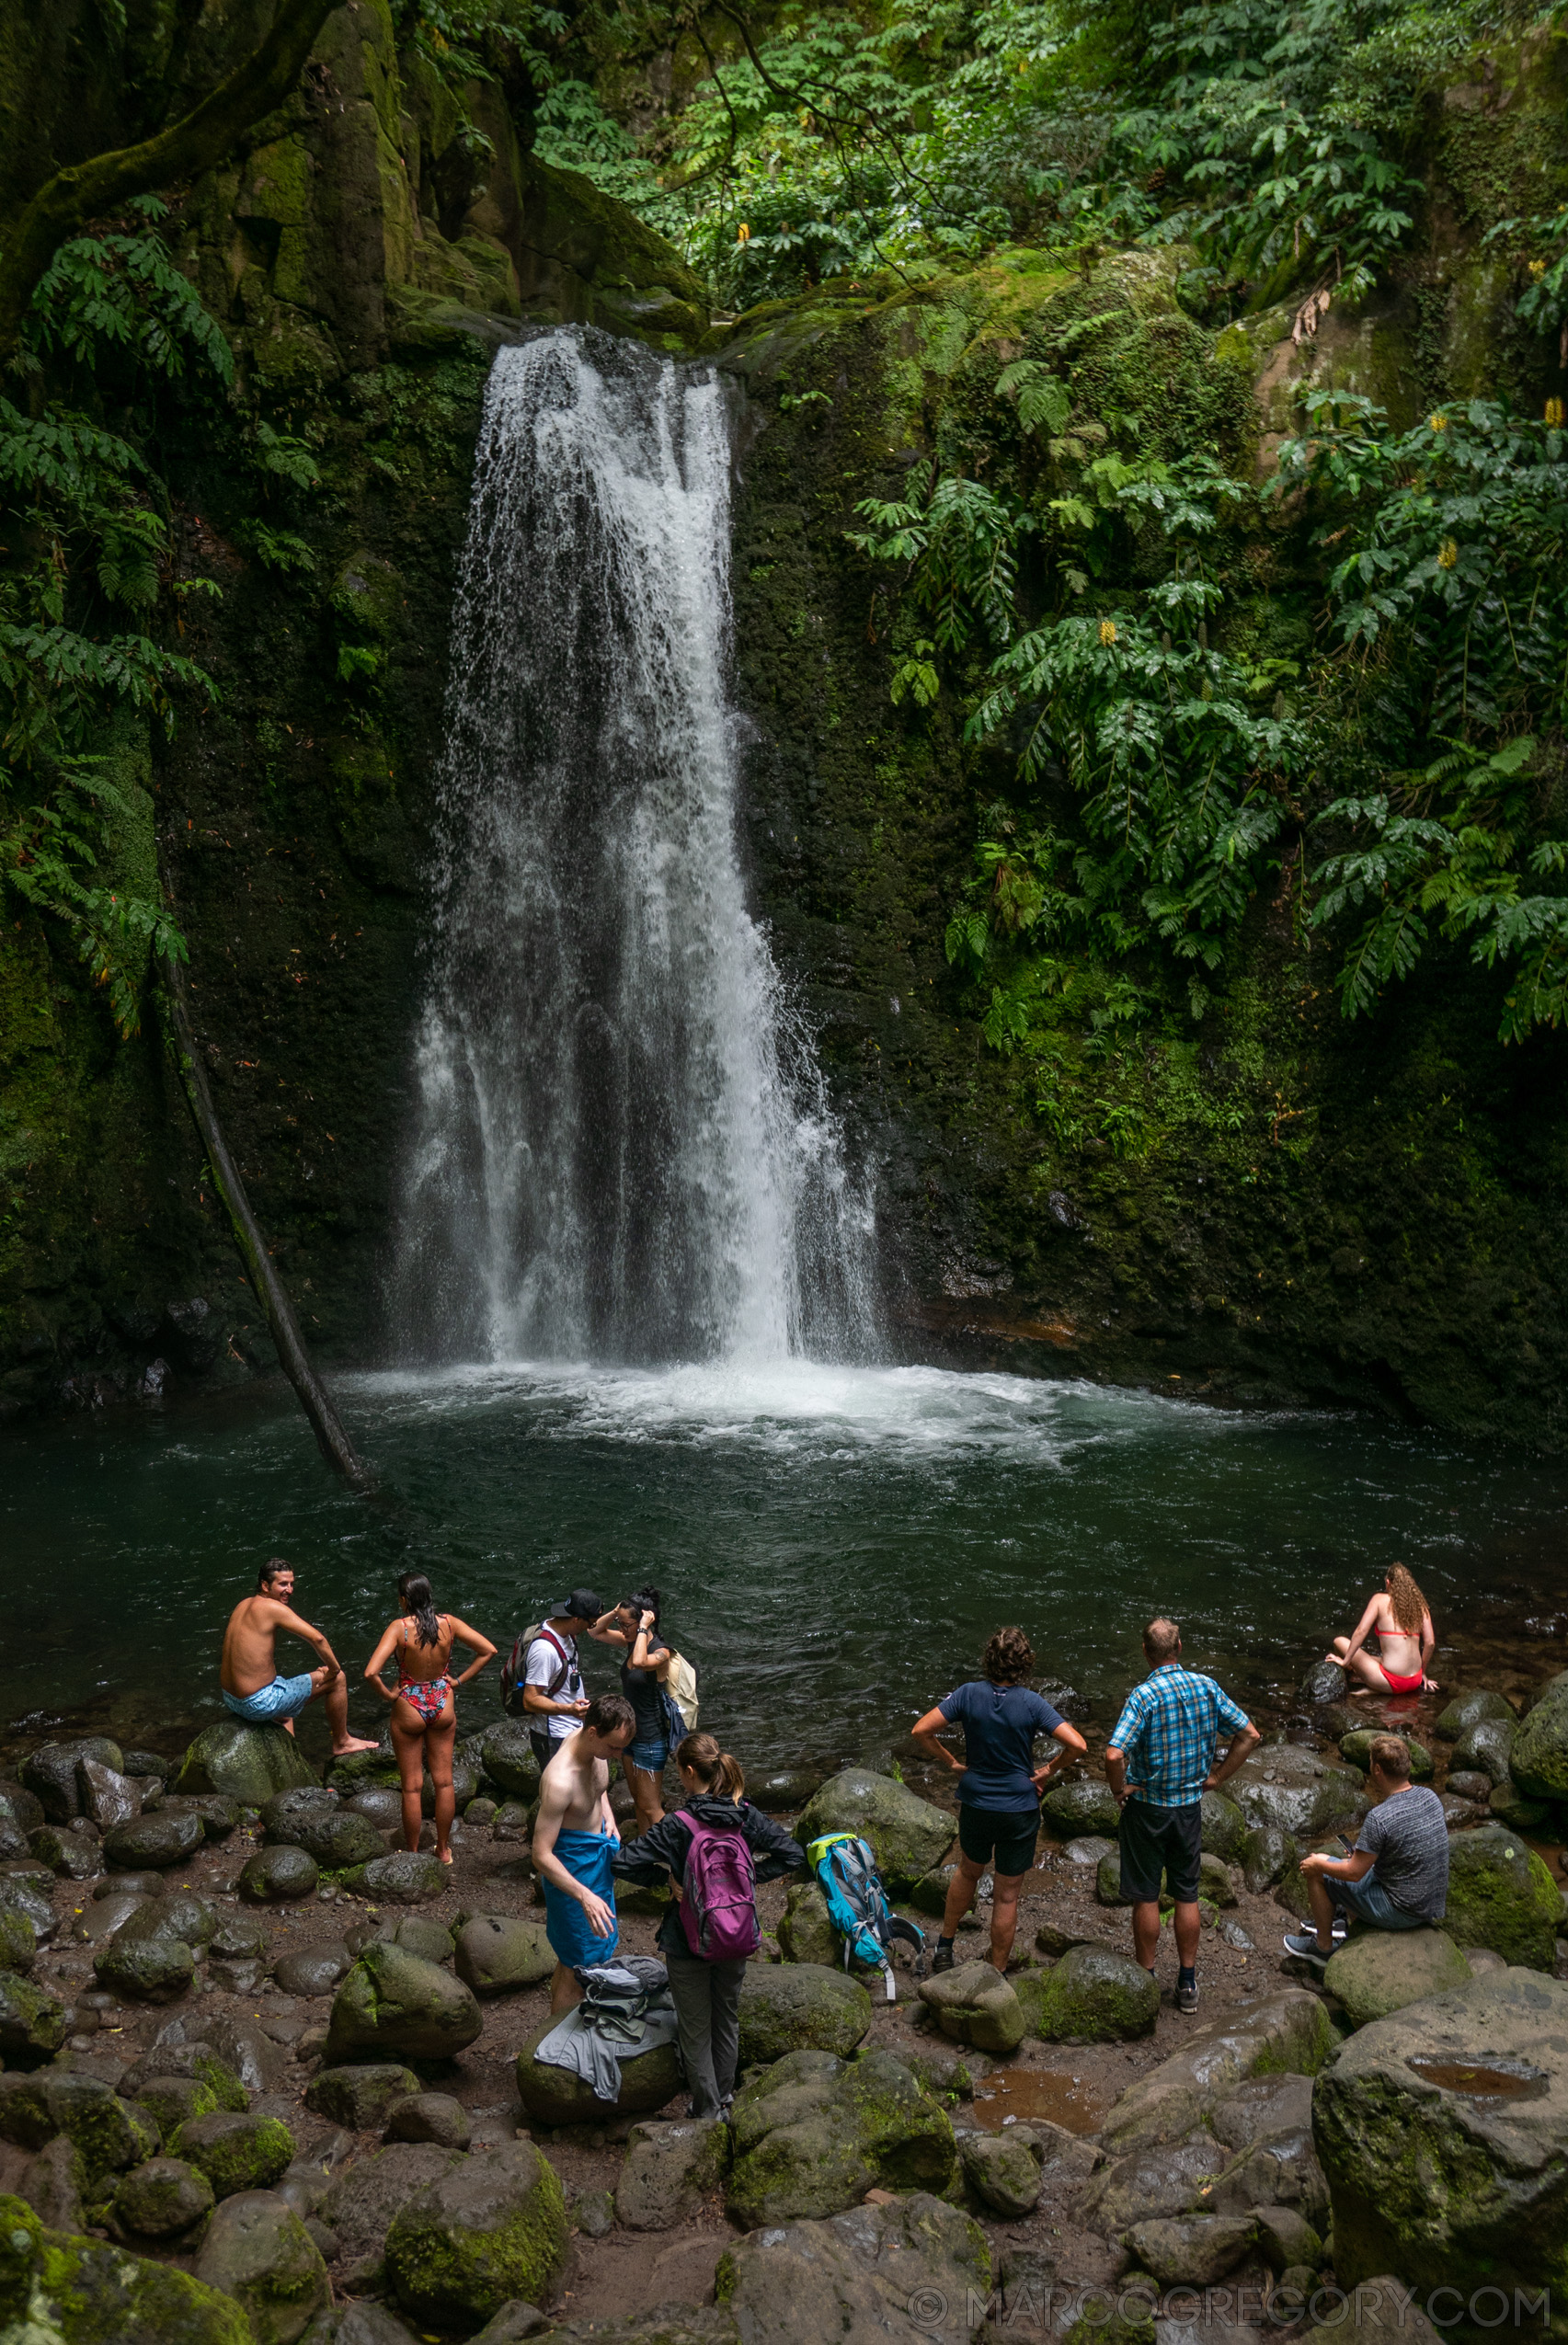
284, 1698
651, 1757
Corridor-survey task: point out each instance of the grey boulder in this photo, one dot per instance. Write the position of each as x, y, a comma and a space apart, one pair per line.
867, 2277
1294, 1790
407, 1876
1443, 2132
258, 2251
163, 2198
975, 2005
670, 2169
358, 2098
429, 2117
276, 1875
362, 2200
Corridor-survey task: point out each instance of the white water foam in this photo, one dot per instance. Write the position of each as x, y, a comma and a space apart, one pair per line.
621, 1146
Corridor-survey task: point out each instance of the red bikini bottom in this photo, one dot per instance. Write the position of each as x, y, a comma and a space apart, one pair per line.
1404, 1685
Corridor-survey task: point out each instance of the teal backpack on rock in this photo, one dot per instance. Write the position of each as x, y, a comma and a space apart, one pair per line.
858, 1908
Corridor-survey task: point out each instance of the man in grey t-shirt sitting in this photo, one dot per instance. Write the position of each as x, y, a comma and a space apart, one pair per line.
1397, 1875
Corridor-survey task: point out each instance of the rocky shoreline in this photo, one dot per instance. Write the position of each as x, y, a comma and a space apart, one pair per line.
266, 2079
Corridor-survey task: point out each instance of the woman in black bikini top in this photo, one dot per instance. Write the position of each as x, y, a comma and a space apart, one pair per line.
424, 1714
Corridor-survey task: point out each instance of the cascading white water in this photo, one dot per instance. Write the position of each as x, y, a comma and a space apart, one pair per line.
621, 1147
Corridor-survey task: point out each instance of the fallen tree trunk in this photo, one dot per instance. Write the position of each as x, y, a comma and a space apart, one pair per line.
314, 1399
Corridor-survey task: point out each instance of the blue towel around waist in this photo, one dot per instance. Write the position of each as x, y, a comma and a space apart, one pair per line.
586, 1856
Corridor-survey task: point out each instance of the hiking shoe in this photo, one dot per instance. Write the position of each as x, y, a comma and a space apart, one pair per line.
942, 1959
1304, 1944
1186, 1996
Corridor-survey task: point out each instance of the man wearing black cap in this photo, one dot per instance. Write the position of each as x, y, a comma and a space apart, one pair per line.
553, 1697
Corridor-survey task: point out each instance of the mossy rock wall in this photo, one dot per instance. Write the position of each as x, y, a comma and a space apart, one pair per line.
1267, 1204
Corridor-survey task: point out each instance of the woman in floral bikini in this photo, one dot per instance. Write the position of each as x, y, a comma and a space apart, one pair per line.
424, 1714
1401, 1622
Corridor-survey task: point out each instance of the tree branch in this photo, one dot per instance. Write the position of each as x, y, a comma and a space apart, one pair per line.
195, 144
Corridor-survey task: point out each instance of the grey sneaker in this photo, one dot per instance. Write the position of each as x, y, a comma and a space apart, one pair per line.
942, 1959
1186, 1996
1304, 1944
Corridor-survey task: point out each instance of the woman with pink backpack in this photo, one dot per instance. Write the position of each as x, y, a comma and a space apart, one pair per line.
714, 1848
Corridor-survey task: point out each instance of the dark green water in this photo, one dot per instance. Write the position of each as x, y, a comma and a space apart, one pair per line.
833, 1544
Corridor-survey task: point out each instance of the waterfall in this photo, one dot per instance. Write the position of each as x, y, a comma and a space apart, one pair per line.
621, 1148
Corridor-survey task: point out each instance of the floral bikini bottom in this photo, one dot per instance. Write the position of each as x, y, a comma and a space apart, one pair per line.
427, 1695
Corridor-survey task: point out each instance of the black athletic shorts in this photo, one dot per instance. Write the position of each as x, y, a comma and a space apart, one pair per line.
1158, 1841
1006, 1843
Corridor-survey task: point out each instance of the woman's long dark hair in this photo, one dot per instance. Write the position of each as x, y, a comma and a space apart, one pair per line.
647, 1601
413, 1595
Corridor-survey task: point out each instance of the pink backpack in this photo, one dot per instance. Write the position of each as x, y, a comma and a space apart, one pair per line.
718, 1896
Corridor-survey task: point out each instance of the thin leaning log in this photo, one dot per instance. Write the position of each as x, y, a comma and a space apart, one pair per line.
314, 1399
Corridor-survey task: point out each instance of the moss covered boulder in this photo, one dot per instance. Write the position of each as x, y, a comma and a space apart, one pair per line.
814, 2133
795, 2006
406, 1877
1428, 2175
509, 1760
671, 2168
908, 1835
1355, 1749
172, 2101
1070, 1810
560, 2097
394, 2004
1379, 1972
1467, 1710
975, 2005
1486, 1748
163, 2197
359, 2097
1538, 1760
498, 1953
107, 2134
195, 2062
1223, 1827
334, 1837
1003, 2170
247, 1763
236, 2151
1092, 1996
258, 2251
153, 1842
1501, 1895
32, 2022
148, 1959
490, 2231
279, 1875
1267, 1855
56, 2289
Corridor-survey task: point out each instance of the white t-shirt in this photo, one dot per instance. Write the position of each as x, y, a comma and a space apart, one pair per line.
542, 1667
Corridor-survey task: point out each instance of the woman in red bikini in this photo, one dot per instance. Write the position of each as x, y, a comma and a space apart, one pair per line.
1401, 1622
424, 1714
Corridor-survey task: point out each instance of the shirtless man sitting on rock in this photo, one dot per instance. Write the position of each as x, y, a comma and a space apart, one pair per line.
252, 1688
573, 1840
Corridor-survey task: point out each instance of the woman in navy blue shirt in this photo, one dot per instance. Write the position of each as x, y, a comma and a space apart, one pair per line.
998, 1799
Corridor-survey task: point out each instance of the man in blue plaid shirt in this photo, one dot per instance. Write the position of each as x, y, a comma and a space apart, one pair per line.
1160, 1762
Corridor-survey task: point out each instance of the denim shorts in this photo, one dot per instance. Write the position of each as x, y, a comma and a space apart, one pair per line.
650, 1757
284, 1698
1370, 1902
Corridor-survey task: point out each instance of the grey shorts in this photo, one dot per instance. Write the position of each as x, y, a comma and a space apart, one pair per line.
1370, 1902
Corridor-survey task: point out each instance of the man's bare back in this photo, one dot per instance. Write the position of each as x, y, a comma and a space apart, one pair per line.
249, 1653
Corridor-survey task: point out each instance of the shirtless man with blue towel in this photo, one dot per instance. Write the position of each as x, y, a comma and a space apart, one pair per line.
573, 1840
